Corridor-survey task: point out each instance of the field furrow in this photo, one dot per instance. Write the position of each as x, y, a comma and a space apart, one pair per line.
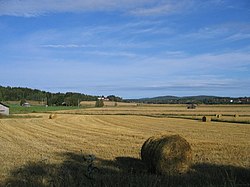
112, 136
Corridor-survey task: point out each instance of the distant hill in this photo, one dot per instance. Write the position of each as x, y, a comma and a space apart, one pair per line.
160, 98
201, 99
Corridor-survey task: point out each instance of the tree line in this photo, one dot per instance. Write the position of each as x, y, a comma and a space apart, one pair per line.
47, 98
192, 100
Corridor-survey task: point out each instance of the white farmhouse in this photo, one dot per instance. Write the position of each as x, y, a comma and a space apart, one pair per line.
4, 109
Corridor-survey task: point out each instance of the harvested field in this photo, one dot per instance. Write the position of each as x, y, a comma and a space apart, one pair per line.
116, 141
225, 110
107, 104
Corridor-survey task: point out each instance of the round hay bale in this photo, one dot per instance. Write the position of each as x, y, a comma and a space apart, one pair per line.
218, 115
205, 119
52, 116
167, 155
236, 115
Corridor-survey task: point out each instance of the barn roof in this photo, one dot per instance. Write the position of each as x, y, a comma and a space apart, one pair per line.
4, 105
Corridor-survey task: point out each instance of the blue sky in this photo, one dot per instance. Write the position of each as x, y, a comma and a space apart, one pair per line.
130, 48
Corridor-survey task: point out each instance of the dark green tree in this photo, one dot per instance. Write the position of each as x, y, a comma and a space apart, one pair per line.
22, 102
114, 98
99, 103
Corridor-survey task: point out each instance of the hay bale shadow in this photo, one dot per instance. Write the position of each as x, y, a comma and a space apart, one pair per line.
122, 171
223, 175
129, 164
31, 174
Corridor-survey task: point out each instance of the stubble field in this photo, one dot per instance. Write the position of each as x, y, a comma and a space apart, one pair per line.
45, 152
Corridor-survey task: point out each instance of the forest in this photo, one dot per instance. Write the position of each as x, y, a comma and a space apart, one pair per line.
202, 99
72, 98
58, 99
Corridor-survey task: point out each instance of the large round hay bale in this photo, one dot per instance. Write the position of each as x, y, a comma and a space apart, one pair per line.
167, 155
205, 119
52, 116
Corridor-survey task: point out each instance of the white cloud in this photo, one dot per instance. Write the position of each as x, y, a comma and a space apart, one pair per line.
112, 54
200, 74
183, 66
35, 8
29, 8
230, 31
66, 46
238, 36
163, 8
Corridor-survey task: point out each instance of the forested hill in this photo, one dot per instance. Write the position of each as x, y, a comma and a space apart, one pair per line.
18, 93
203, 99
72, 98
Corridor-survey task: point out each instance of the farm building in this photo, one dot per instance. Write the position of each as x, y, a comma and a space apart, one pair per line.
4, 109
103, 98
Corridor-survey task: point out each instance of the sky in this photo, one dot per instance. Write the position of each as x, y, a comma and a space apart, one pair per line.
128, 48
